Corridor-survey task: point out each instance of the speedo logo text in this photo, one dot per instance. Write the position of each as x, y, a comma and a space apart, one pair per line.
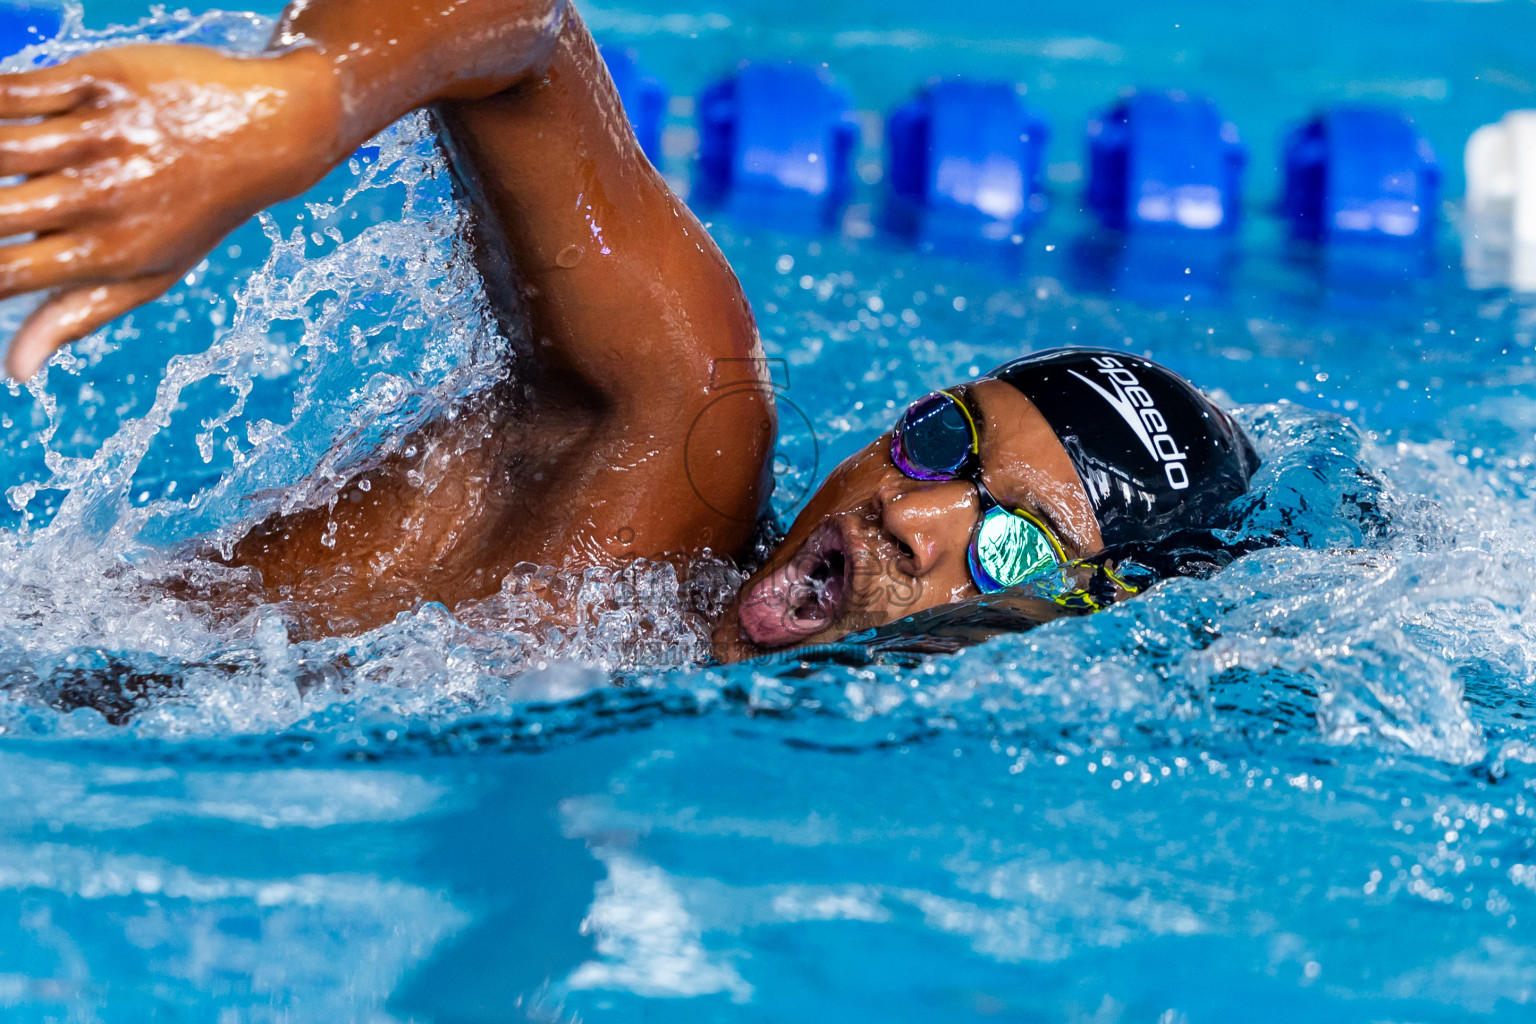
1136, 406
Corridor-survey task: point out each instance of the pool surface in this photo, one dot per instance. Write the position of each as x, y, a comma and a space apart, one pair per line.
1304, 789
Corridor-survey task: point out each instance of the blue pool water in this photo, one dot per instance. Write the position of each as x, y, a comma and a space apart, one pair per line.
1304, 789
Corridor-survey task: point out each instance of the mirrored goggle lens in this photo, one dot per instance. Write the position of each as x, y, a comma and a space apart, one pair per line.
1007, 550
933, 438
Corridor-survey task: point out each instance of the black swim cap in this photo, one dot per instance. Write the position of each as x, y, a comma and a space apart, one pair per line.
1155, 455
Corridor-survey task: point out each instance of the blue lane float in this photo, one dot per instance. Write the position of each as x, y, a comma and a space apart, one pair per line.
27, 24
1360, 174
776, 146
964, 163
1165, 160
644, 97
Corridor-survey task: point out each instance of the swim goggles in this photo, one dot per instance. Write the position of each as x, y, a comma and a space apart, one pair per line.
937, 439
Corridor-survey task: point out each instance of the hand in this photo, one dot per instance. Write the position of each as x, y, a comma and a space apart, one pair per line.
137, 162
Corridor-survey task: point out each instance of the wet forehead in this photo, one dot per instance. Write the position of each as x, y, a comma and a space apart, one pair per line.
1024, 463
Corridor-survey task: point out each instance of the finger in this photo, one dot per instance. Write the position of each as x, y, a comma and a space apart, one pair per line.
48, 262
44, 93
51, 203
47, 145
74, 313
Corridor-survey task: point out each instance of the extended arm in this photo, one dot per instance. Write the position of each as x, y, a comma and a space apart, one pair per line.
640, 332
143, 157
647, 371
632, 306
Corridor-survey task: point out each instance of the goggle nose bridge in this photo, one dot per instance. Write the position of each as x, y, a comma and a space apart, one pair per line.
1033, 540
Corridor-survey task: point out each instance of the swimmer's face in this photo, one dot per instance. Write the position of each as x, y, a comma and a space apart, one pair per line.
874, 546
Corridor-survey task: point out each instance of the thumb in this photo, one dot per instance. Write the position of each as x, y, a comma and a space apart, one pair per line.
71, 314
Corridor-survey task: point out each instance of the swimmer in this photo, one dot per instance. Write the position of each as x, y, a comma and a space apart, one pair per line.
632, 338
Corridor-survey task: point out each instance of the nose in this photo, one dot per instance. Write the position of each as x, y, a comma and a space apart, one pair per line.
930, 522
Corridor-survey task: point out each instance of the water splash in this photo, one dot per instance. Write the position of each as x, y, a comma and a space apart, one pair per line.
1309, 775
364, 319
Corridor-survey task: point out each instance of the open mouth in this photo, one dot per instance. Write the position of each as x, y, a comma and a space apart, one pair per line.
802, 597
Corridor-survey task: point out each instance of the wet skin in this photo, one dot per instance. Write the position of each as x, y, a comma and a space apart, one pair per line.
641, 421
874, 545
